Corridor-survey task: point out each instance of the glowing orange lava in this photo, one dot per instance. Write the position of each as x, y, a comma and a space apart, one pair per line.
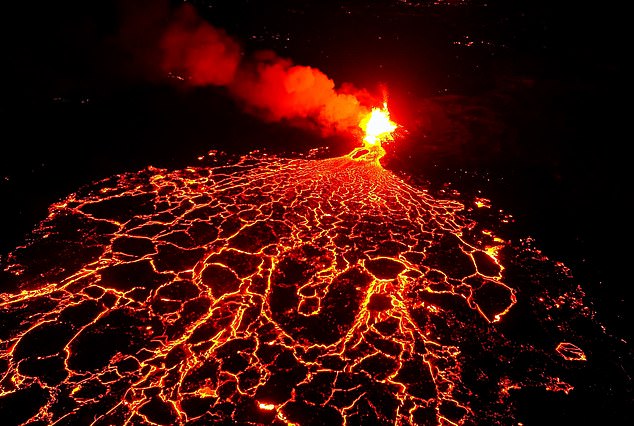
377, 126
570, 352
265, 291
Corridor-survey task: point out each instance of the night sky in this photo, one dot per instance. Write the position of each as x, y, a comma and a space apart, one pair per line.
523, 103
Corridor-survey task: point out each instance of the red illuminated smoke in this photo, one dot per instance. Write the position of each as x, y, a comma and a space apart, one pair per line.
263, 82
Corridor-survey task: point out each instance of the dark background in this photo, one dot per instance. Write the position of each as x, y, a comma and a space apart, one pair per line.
522, 102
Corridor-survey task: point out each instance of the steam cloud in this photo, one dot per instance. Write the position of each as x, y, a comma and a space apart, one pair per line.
263, 82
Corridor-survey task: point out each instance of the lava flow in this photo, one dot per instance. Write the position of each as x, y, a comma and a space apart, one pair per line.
265, 291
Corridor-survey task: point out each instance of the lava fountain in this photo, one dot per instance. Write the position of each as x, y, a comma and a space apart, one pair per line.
377, 126
265, 290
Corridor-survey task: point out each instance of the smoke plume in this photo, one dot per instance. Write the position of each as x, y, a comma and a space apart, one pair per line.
264, 83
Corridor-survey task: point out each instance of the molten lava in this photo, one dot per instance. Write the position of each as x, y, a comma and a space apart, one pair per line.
377, 126
267, 291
